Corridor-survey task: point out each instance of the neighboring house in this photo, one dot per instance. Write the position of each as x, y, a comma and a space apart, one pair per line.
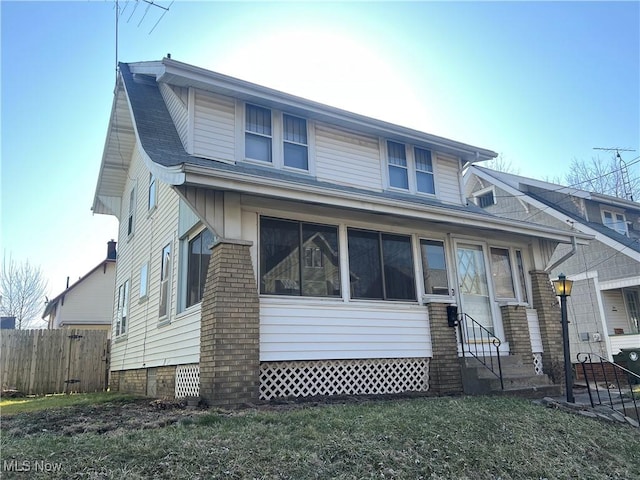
271, 246
88, 303
604, 307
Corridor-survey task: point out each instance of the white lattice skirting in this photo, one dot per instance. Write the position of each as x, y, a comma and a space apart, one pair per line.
187, 381
537, 363
343, 377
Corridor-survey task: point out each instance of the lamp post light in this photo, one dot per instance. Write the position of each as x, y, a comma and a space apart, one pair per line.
563, 287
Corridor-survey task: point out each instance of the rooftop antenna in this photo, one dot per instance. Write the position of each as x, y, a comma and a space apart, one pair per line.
150, 3
624, 171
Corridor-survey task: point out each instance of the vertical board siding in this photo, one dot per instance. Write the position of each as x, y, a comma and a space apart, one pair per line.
534, 331
323, 330
448, 184
347, 158
214, 126
175, 98
39, 362
147, 343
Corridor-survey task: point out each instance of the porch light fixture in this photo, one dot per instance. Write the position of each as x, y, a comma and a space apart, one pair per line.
563, 287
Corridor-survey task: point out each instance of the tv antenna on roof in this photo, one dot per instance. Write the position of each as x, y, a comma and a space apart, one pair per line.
149, 3
624, 171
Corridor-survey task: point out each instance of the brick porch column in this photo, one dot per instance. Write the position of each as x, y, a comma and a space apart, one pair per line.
549, 317
445, 376
229, 327
516, 331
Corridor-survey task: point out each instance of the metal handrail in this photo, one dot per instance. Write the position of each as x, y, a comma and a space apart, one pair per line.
465, 340
618, 371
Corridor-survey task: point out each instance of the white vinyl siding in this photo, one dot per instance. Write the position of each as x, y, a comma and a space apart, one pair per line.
146, 343
330, 330
447, 181
214, 126
176, 100
347, 158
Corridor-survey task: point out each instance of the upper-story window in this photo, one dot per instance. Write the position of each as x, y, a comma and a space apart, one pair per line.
152, 191
410, 169
424, 171
132, 209
398, 170
485, 198
615, 221
295, 145
258, 134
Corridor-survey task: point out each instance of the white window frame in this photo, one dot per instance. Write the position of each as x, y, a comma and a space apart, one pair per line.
122, 311
521, 292
482, 193
153, 192
132, 210
411, 168
615, 221
447, 266
165, 283
258, 134
306, 145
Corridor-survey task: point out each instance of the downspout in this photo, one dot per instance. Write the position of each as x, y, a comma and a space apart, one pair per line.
570, 253
461, 168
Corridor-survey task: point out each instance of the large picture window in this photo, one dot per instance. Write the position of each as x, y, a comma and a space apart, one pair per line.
298, 258
197, 266
434, 267
380, 266
258, 134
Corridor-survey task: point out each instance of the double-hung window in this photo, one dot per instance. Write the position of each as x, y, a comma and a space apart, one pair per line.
398, 170
165, 273
123, 309
434, 267
380, 266
615, 221
197, 266
298, 258
152, 191
424, 171
296, 152
132, 209
258, 134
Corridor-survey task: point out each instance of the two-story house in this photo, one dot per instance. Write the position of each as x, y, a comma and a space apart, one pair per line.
88, 302
604, 307
271, 246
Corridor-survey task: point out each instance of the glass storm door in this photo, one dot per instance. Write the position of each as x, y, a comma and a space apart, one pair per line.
474, 290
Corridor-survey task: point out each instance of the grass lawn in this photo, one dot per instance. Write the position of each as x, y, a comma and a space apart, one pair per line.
418, 438
32, 404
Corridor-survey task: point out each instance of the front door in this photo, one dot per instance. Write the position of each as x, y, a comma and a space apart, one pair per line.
475, 295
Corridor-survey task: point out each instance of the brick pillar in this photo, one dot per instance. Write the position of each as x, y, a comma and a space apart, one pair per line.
516, 331
229, 328
445, 376
549, 317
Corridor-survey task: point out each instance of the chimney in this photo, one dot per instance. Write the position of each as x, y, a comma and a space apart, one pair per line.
111, 250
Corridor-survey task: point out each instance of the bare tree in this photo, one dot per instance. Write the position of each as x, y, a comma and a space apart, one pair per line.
501, 164
606, 177
22, 289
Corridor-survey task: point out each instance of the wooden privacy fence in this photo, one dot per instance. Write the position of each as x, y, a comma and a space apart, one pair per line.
38, 362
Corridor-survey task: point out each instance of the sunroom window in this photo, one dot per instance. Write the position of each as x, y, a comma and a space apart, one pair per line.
434, 267
502, 273
197, 266
380, 266
298, 258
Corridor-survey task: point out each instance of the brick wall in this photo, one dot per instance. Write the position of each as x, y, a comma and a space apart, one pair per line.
229, 328
133, 381
549, 318
516, 331
445, 376
114, 381
166, 382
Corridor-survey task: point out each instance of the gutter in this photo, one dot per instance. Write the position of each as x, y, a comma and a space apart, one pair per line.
566, 256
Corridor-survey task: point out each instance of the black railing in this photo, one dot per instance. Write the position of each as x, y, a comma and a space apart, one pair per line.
475, 339
614, 379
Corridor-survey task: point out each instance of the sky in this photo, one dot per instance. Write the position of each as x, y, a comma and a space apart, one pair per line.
541, 83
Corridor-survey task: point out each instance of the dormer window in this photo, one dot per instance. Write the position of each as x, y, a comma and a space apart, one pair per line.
485, 197
615, 221
398, 175
296, 153
257, 140
424, 171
